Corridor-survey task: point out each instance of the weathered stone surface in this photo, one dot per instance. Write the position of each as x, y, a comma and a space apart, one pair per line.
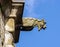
8, 40
13, 18
10, 12
13, 12
29, 21
41, 24
6, 7
10, 25
18, 0
1, 28
9, 46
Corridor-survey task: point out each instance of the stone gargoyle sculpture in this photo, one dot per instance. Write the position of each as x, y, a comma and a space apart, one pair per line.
11, 21
32, 22
27, 22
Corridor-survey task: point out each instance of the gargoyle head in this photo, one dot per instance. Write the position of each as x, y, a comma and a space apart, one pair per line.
41, 24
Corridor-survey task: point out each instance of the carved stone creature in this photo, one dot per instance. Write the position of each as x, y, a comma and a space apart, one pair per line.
41, 24
12, 12
28, 21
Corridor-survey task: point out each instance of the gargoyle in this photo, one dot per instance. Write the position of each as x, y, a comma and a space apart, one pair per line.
32, 22
12, 13
26, 22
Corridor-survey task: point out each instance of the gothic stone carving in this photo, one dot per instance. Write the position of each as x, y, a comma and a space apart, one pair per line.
41, 24
12, 12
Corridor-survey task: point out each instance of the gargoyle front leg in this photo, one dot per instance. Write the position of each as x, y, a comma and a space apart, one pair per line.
36, 23
39, 27
41, 24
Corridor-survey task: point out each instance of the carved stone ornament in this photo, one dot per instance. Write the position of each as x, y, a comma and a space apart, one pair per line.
12, 21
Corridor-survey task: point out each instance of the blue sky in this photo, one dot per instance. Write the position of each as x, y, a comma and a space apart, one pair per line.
42, 9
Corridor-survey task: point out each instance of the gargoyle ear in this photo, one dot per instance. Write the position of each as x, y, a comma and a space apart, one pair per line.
39, 28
